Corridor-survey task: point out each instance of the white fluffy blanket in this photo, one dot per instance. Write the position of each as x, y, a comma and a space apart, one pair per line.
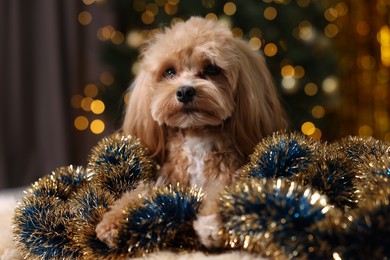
8, 201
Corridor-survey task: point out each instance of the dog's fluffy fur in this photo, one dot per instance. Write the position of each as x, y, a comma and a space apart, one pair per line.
201, 102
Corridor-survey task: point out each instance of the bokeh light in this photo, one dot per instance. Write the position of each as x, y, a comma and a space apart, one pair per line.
97, 126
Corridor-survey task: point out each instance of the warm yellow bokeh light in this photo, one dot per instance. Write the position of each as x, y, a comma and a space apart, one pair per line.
86, 103
384, 40
85, 18
81, 123
308, 128
270, 13
90, 90
330, 85
105, 33
76, 101
237, 32
299, 72
97, 107
117, 37
317, 134
270, 49
229, 8
153, 8
134, 39
170, 9
97, 126
255, 43
211, 16
318, 112
147, 17
311, 89
365, 130
106, 78
287, 71
331, 30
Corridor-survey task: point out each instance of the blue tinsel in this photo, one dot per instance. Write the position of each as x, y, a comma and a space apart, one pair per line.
161, 217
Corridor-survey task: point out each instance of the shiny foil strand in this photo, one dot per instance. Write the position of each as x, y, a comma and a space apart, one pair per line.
262, 215
119, 163
161, 220
358, 234
282, 155
358, 147
42, 218
373, 188
88, 206
334, 176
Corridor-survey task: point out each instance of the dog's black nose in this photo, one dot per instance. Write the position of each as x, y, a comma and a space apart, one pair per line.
185, 94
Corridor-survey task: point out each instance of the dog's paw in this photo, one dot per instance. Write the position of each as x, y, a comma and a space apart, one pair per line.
207, 228
107, 229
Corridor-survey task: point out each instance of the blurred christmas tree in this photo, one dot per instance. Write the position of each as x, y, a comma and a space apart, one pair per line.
306, 43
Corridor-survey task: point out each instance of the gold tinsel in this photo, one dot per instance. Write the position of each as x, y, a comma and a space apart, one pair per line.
119, 163
265, 216
282, 155
42, 218
299, 198
160, 220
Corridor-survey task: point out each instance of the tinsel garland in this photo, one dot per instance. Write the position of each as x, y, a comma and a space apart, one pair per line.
298, 198
120, 163
160, 220
282, 155
269, 216
42, 217
57, 217
352, 176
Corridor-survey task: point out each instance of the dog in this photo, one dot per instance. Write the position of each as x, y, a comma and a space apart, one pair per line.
201, 102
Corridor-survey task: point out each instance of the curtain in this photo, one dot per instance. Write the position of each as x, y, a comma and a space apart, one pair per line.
45, 57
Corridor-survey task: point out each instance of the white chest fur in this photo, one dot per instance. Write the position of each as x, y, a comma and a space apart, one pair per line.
196, 149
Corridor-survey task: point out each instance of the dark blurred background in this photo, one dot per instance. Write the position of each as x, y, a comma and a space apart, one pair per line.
66, 65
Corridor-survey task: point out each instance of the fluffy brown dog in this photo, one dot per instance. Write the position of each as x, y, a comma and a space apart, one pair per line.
201, 102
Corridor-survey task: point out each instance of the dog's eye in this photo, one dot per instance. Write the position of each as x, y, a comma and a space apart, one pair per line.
170, 72
211, 70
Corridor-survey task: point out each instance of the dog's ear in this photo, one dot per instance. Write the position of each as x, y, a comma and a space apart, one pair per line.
258, 110
138, 120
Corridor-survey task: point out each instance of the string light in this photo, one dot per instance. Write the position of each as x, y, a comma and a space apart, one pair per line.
91, 90
365, 130
229, 8
330, 85
97, 126
255, 43
85, 18
238, 32
81, 123
308, 128
117, 37
106, 78
86, 103
270, 49
318, 112
384, 40
311, 89
97, 107
270, 13
170, 9
211, 16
